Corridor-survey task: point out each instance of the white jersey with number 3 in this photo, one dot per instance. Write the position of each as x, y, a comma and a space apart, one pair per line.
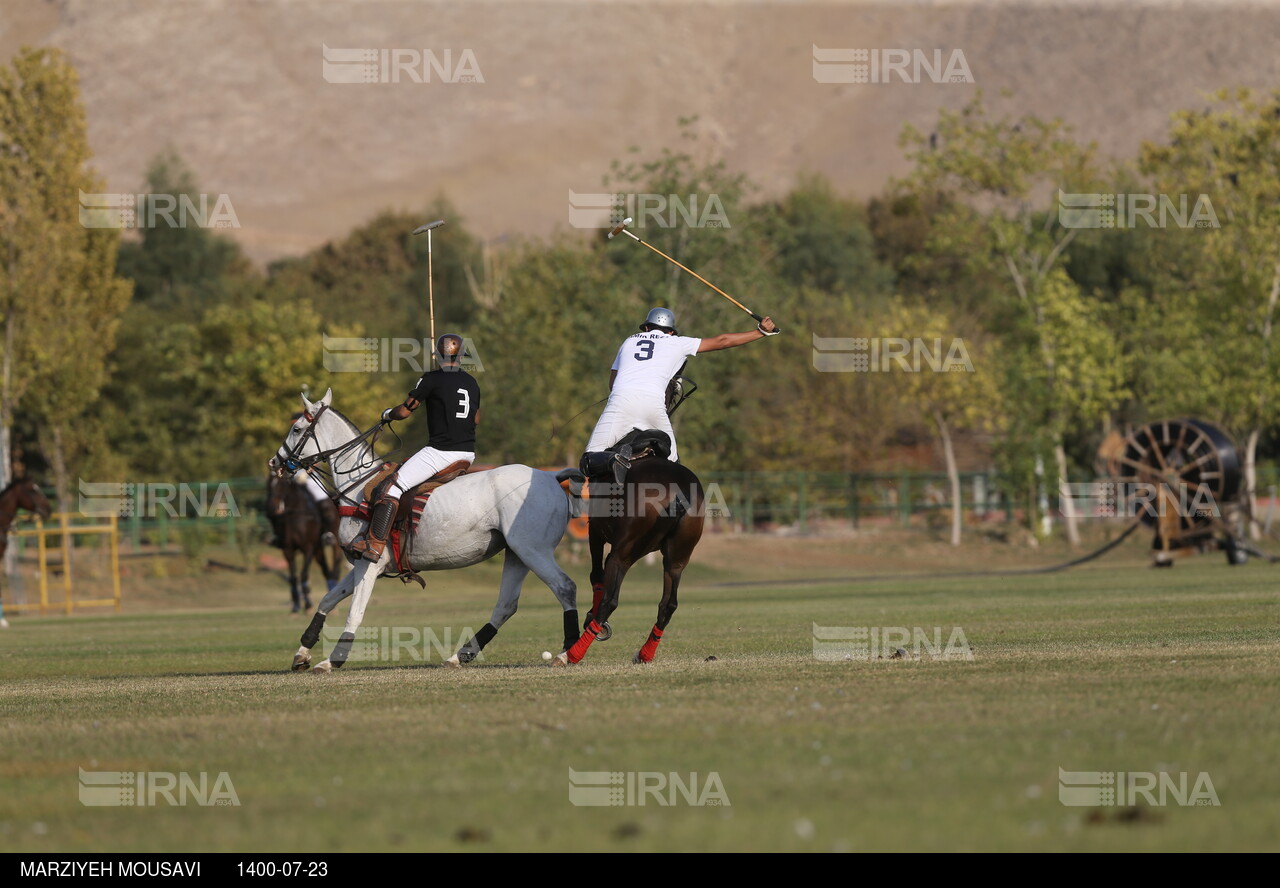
645, 364
647, 361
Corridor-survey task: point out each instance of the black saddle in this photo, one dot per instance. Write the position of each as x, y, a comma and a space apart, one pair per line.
616, 460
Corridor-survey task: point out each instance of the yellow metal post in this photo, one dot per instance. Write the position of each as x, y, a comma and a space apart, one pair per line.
66, 561
42, 553
115, 561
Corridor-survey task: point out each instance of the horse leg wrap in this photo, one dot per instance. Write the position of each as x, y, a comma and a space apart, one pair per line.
579, 649
476, 643
342, 649
312, 635
597, 596
651, 646
571, 633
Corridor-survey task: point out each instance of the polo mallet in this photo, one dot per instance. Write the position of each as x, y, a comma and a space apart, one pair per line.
430, 295
621, 228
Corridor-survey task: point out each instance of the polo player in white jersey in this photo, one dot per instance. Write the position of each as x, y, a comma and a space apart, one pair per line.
646, 363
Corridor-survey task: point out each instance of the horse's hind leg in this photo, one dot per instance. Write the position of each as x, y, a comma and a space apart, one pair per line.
543, 564
514, 570
676, 552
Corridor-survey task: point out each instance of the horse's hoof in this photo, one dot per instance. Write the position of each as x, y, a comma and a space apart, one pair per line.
562, 659
324, 667
639, 660
453, 662
301, 662
606, 632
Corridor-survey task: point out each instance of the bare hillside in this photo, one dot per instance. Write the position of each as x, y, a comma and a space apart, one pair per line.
239, 88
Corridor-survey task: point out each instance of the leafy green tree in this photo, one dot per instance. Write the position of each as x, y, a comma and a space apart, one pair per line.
820, 240
999, 175
377, 275
181, 267
212, 397
61, 298
1230, 153
546, 346
962, 394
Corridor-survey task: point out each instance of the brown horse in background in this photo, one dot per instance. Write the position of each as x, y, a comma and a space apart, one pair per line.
303, 534
659, 507
22, 493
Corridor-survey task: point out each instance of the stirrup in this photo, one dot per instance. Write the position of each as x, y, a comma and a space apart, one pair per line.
621, 463
623, 456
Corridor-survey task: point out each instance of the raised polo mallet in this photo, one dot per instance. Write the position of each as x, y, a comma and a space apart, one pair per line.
621, 228
430, 295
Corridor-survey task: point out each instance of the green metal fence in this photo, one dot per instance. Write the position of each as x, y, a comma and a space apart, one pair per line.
800, 499
743, 501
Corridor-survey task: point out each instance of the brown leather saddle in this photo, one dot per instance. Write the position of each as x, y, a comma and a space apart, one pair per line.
408, 515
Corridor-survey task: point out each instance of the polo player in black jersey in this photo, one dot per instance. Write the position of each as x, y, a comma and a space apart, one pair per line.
451, 397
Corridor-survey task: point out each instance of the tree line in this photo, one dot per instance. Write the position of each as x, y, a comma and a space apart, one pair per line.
1085, 295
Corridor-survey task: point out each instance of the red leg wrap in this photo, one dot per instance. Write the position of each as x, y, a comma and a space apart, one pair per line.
579, 649
651, 646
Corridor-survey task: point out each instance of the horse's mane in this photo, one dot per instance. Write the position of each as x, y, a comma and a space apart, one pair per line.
355, 429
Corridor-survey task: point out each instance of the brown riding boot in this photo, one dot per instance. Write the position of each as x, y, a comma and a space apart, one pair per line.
375, 541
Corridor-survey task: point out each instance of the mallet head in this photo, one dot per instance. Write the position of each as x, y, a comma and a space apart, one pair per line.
618, 229
428, 226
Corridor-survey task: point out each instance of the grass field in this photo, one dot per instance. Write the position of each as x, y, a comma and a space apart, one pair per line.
1110, 667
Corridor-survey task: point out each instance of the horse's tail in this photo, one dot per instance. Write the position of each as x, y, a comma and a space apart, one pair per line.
572, 481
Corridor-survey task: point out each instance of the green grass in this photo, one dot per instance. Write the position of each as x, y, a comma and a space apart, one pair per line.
1110, 667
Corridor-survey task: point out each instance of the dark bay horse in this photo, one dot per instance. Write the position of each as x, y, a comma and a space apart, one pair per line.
302, 532
22, 493
659, 507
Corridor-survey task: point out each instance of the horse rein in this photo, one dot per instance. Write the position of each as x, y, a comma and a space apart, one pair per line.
295, 462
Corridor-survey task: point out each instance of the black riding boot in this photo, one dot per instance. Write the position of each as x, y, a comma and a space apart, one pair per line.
372, 546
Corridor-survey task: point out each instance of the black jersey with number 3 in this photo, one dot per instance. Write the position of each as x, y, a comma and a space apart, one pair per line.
452, 400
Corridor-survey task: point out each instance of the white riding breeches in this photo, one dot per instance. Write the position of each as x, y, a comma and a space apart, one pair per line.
422, 465
626, 412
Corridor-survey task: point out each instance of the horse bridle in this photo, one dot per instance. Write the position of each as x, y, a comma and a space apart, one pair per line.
294, 461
